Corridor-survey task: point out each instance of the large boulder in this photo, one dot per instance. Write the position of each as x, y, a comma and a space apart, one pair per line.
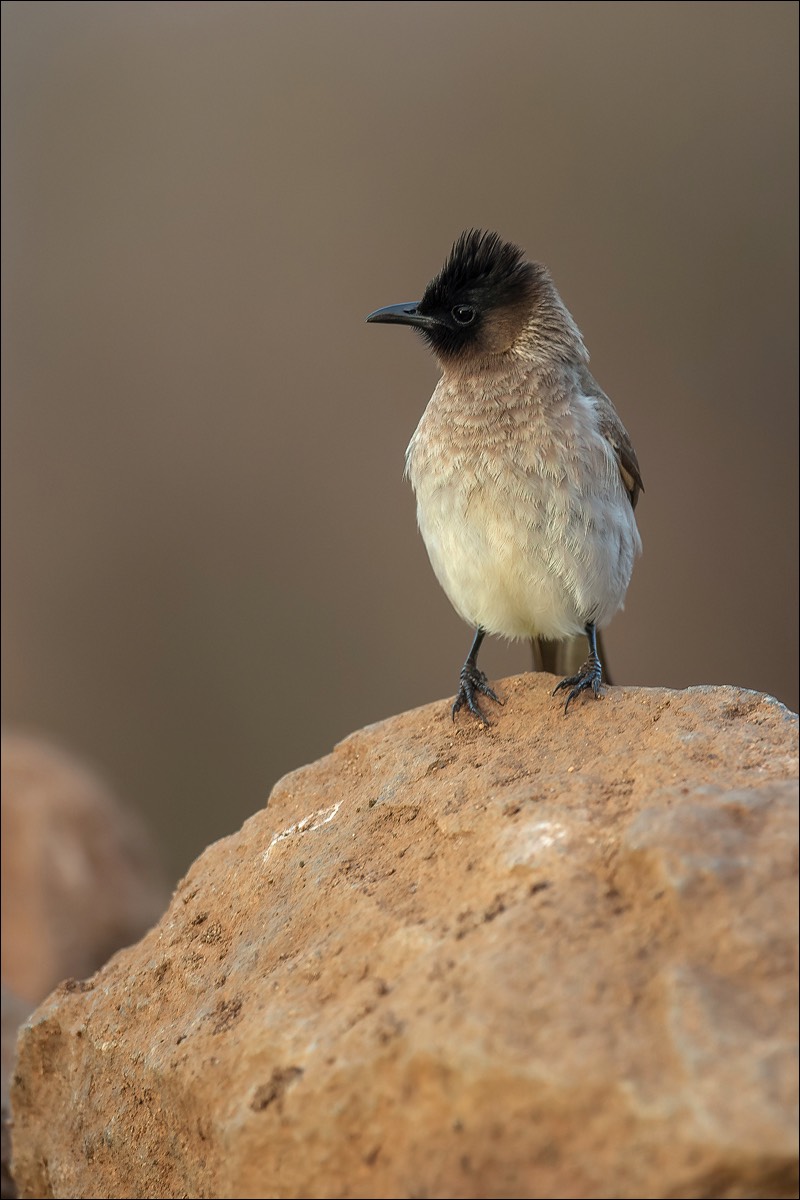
552, 958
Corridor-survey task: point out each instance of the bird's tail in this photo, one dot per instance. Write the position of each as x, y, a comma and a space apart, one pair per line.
566, 657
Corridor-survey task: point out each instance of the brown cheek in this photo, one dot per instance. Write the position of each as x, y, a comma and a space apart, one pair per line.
502, 330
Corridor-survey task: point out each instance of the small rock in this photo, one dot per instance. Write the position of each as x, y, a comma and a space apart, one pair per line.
79, 876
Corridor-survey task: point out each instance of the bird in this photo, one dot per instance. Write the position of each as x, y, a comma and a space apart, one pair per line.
525, 478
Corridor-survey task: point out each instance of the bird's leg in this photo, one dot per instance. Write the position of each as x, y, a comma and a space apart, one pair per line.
473, 680
589, 676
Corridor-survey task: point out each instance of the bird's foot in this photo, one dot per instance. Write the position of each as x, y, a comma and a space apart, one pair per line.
473, 681
590, 675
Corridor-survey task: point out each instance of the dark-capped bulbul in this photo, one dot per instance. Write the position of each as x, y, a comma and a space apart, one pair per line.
525, 478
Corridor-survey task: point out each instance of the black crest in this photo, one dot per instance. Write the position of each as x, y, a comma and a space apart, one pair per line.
485, 287
480, 266
483, 299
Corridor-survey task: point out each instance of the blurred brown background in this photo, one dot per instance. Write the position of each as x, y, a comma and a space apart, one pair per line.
212, 570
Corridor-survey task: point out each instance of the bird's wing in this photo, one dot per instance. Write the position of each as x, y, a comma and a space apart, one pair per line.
616, 435
565, 657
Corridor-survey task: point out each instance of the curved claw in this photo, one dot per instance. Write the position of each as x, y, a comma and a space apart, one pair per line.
473, 681
589, 676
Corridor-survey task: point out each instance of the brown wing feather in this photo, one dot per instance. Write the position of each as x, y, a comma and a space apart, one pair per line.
566, 656
616, 435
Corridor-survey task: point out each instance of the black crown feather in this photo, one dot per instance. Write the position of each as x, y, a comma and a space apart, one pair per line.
480, 262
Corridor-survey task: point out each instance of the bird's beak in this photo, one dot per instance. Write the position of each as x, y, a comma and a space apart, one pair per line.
402, 314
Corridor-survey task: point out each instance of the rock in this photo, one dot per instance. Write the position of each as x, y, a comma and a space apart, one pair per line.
79, 879
15, 1011
553, 958
79, 876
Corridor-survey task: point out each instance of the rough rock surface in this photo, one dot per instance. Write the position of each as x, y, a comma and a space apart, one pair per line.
554, 958
15, 1011
79, 879
79, 875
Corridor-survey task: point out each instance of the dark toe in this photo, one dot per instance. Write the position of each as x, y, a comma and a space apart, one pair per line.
589, 676
474, 682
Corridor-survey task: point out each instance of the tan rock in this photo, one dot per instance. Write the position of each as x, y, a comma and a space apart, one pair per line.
549, 959
79, 879
79, 876
14, 1012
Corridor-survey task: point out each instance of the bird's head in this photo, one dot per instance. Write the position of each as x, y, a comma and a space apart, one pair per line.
479, 304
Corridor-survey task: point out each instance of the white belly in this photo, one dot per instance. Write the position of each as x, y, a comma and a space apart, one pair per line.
525, 554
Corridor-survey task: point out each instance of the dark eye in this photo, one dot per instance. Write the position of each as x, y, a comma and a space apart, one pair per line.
464, 314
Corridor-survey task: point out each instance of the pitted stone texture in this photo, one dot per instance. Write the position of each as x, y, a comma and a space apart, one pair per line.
554, 958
